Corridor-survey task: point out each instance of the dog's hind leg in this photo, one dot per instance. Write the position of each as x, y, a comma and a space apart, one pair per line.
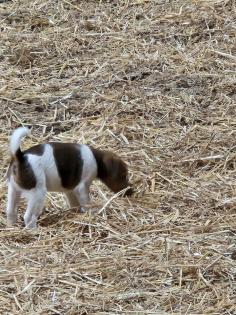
13, 199
34, 207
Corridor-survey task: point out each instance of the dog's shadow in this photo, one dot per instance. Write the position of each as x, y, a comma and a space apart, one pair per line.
49, 219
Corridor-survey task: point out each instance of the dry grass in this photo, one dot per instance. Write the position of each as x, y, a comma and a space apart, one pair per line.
154, 81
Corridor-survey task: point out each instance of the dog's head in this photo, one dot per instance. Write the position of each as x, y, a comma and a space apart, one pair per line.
116, 174
113, 171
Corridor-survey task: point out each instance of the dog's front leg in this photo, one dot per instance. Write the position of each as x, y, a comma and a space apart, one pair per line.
72, 198
82, 191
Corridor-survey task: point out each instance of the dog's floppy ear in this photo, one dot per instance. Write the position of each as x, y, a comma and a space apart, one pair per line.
112, 165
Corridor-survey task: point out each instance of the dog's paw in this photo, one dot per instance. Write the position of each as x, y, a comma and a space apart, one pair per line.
11, 220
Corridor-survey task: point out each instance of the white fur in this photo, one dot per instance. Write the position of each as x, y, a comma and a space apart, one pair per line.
13, 198
16, 137
45, 167
48, 179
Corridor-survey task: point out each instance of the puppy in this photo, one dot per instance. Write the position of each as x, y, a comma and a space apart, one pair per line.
60, 167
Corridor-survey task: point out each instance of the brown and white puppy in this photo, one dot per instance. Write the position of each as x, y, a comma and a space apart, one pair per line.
58, 167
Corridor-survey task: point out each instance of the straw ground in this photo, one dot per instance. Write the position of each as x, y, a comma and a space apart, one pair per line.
155, 82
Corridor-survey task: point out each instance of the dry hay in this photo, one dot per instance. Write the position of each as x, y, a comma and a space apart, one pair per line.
154, 81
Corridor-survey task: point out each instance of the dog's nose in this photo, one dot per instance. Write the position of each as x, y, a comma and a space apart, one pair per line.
129, 192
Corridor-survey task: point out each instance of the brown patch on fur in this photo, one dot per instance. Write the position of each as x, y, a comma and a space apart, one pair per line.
36, 150
69, 163
22, 173
112, 171
20, 168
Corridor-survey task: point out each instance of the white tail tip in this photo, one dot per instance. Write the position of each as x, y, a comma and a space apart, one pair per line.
16, 137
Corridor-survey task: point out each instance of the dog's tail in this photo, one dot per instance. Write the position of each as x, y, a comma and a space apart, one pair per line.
15, 142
